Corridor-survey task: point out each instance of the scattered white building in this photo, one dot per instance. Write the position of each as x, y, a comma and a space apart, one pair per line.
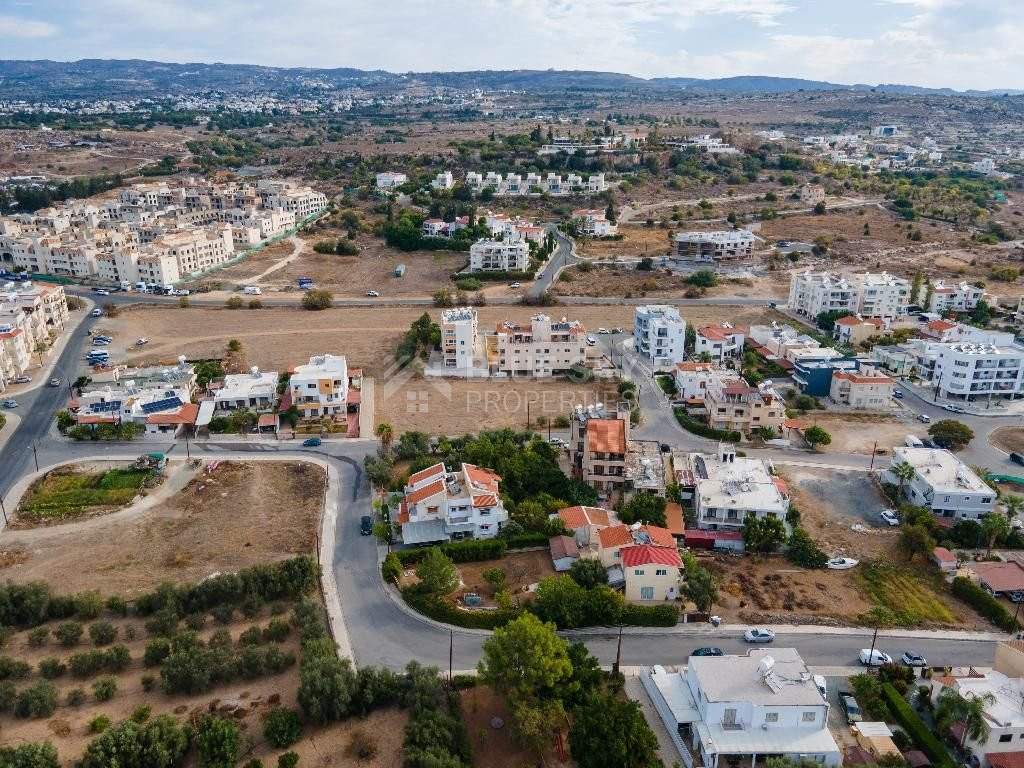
986, 166
443, 180
659, 334
320, 387
256, 391
812, 194
962, 297
460, 340
499, 256
593, 223
866, 388
390, 180
439, 505
725, 710
710, 247
943, 483
870, 295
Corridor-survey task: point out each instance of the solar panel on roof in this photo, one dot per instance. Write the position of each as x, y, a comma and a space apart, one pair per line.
110, 405
162, 405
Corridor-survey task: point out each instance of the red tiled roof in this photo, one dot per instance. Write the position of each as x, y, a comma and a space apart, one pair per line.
424, 474
660, 537
644, 554
940, 325
432, 489
793, 424
485, 500
1005, 759
484, 478
267, 420
1000, 577
563, 546
95, 419
780, 484
687, 365
187, 414
578, 516
674, 521
694, 534
616, 536
607, 435
354, 396
943, 555
403, 513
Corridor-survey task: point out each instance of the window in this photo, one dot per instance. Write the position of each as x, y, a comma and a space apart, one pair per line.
638, 571
646, 593
810, 717
660, 572
1006, 737
771, 717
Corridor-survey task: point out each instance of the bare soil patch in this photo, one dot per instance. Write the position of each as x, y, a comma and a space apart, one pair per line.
521, 570
238, 515
495, 747
1010, 439
859, 433
630, 282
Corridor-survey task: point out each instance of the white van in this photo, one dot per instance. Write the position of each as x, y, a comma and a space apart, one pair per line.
251, 290
98, 356
591, 341
912, 442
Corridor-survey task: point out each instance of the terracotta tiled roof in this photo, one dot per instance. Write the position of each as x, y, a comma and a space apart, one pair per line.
607, 435
89, 419
674, 520
694, 367
403, 513
615, 536
432, 489
481, 478
268, 420
943, 555
940, 325
187, 414
563, 546
1000, 577
644, 554
578, 516
425, 474
485, 500
660, 537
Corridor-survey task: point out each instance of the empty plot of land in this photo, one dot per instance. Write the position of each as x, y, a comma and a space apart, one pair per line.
1010, 439
862, 433
237, 515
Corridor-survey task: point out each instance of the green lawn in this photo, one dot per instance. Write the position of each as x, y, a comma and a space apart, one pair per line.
61, 495
903, 596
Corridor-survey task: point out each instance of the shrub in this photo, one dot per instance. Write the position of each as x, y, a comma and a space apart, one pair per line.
317, 299
697, 428
13, 669
99, 724
984, 603
69, 633
148, 681
52, 668
117, 658
288, 760
276, 631
224, 614
87, 664
195, 621
164, 623
141, 714
219, 743
916, 728
220, 639
235, 302
102, 633
37, 637
447, 613
117, 605
104, 688
391, 568
88, 605
664, 615
282, 728
251, 636
460, 552
156, 651
36, 701
8, 695
76, 697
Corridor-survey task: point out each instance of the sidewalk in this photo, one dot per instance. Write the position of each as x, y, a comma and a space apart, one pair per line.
13, 420
796, 629
41, 375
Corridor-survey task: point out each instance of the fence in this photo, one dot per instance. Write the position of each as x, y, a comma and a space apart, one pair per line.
667, 718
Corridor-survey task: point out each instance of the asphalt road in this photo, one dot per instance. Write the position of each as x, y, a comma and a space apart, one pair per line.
562, 257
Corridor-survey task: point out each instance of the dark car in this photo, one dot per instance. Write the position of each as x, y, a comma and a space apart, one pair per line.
707, 652
311, 442
1017, 458
666, 448
365, 525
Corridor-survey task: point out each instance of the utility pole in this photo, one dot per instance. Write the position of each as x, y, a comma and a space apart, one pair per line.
187, 454
35, 455
527, 414
873, 449
618, 653
871, 654
451, 653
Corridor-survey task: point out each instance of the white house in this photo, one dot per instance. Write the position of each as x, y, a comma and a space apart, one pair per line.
970, 371
255, 390
659, 334
439, 505
962, 297
985, 166
499, 256
693, 379
443, 180
320, 388
813, 293
460, 340
744, 709
715, 246
541, 348
1003, 714
720, 342
391, 179
942, 482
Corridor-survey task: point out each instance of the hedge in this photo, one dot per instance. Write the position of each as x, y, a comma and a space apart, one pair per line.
916, 728
461, 551
984, 603
495, 275
527, 540
446, 612
704, 430
664, 615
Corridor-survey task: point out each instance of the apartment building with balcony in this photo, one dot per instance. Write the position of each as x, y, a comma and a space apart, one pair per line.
733, 404
255, 391
723, 245
15, 352
880, 294
461, 348
599, 441
499, 256
439, 505
866, 388
812, 293
659, 334
962, 297
972, 372
320, 387
540, 348
719, 342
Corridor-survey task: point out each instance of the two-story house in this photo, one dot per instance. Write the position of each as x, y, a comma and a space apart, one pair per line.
440, 506
320, 388
730, 710
942, 483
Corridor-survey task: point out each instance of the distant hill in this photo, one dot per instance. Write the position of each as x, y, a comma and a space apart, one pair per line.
115, 78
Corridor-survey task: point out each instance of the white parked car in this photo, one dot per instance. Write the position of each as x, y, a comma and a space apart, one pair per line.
10, 403
22, 379
758, 636
889, 516
140, 342
373, 294
924, 418
102, 292
603, 330
873, 658
841, 563
96, 312
591, 341
953, 408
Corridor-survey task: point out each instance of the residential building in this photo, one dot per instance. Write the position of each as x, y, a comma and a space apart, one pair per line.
885, 131
614, 539
160, 410
812, 194
727, 710
513, 184
659, 334
585, 523
733, 404
986, 166
880, 295
812, 293
715, 246
460, 340
867, 388
592, 222
541, 348
719, 342
692, 379
943, 483
599, 441
498, 256
972, 371
256, 391
728, 488
814, 377
390, 180
443, 180
14, 352
439, 505
853, 329
320, 387
962, 297
651, 573
564, 552
779, 341
959, 333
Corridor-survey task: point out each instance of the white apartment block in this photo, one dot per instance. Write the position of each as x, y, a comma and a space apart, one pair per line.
728, 489
962, 297
740, 710
320, 387
971, 371
390, 179
300, 201
256, 391
715, 246
694, 379
499, 256
880, 295
593, 223
659, 334
870, 295
514, 184
943, 483
719, 342
15, 350
440, 506
443, 180
460, 340
541, 348
31, 317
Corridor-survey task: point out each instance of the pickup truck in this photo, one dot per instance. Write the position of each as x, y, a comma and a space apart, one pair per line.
850, 707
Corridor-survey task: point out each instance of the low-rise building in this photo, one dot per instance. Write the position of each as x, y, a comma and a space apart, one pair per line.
942, 483
853, 329
659, 334
256, 391
320, 387
723, 245
499, 256
724, 710
651, 573
613, 539
443, 180
390, 180
439, 505
592, 222
962, 297
541, 348
719, 342
867, 388
814, 376
812, 194
735, 405
585, 523
693, 379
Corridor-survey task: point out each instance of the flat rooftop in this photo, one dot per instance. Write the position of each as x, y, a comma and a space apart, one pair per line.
743, 483
738, 678
941, 469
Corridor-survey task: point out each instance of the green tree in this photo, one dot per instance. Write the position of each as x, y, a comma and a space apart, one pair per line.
525, 658
317, 299
327, 686
915, 540
495, 578
282, 728
219, 743
288, 760
801, 550
763, 534
903, 472
608, 732
701, 587
644, 508
437, 573
69, 633
827, 320
561, 600
534, 722
952, 708
386, 434
816, 436
994, 528
950, 433
34, 754
37, 701
1014, 505
915, 285
104, 689
588, 573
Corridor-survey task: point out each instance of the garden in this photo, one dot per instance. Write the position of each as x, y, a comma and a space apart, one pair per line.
70, 492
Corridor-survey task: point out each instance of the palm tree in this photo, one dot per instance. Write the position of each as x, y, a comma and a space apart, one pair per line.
969, 711
1014, 505
902, 471
994, 527
386, 434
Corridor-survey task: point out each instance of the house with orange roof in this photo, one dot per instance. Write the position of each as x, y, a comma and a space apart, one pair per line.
441, 506
651, 573
865, 388
585, 523
601, 441
719, 342
612, 539
853, 329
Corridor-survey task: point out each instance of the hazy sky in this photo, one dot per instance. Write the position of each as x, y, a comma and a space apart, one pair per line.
955, 43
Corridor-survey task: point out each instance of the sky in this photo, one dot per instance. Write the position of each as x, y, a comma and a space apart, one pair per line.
958, 44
